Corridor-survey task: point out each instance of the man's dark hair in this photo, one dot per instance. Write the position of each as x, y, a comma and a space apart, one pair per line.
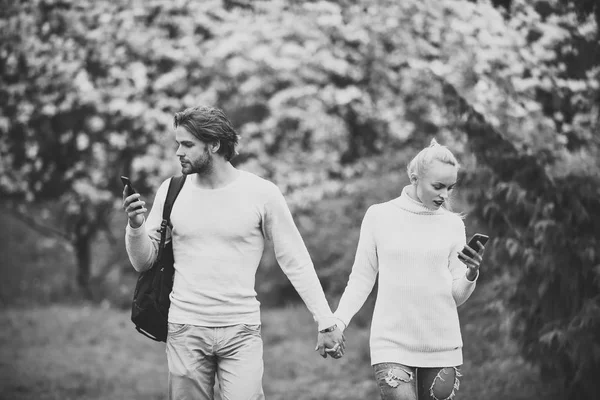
209, 124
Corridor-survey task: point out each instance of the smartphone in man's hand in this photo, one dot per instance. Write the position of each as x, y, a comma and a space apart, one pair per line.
130, 190
127, 183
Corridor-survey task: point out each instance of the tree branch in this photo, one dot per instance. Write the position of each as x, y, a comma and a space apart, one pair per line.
35, 225
491, 147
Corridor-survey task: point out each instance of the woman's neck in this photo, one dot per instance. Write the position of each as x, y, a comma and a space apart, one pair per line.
411, 191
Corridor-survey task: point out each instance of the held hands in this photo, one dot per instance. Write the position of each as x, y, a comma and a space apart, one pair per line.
332, 343
472, 262
135, 208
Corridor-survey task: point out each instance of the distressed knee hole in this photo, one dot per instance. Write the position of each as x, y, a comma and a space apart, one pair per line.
396, 375
445, 384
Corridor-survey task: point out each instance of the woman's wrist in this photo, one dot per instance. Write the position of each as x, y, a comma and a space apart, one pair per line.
471, 276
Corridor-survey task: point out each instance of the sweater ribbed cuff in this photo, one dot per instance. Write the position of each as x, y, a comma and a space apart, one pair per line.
341, 324
131, 231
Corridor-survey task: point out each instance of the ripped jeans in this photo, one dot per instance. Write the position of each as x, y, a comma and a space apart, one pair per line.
399, 382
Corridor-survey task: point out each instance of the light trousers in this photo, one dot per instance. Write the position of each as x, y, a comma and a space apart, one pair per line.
196, 355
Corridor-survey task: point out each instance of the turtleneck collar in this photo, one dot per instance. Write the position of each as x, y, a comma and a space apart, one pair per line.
409, 204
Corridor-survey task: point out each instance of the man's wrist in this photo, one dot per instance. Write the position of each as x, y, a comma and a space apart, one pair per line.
132, 227
329, 329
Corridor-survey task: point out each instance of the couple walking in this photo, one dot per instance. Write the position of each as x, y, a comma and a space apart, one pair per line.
220, 221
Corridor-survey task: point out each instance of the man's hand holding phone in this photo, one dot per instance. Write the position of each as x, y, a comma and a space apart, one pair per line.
132, 204
472, 254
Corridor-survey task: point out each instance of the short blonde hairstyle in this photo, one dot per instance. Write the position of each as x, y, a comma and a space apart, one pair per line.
435, 151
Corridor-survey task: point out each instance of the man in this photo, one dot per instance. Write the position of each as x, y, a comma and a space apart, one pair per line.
220, 221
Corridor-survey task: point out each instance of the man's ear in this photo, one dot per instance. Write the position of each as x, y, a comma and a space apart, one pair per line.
214, 146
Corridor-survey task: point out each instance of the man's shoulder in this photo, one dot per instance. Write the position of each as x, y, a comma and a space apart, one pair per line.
258, 183
163, 188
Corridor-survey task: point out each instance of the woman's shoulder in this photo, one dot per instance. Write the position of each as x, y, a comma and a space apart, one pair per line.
455, 219
380, 209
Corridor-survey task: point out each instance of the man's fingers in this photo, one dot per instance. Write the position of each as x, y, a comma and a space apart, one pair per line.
134, 206
129, 200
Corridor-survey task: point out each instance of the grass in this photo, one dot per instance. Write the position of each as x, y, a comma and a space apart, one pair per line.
92, 352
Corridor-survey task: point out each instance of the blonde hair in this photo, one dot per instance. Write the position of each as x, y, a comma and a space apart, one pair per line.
435, 151
419, 164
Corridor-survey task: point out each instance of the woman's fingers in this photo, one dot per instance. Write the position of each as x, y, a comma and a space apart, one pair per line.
470, 261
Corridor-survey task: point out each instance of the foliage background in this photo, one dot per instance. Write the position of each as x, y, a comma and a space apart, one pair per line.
331, 99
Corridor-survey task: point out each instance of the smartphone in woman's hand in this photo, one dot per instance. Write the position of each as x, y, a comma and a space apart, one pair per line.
478, 237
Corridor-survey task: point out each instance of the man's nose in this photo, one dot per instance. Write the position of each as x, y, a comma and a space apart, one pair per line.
179, 152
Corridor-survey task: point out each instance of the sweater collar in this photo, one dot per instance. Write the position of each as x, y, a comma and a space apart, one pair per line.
407, 203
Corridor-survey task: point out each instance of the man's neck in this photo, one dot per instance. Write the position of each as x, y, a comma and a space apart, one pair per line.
222, 174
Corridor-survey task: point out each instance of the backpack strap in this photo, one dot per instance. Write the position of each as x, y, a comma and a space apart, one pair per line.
175, 186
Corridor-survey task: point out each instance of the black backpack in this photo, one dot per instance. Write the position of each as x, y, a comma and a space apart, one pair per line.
150, 306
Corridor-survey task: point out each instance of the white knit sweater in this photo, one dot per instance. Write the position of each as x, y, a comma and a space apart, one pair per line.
421, 283
218, 240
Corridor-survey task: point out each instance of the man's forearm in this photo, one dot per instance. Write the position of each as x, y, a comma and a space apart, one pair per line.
308, 286
140, 248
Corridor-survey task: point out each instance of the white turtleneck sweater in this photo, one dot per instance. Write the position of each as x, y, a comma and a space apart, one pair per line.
421, 283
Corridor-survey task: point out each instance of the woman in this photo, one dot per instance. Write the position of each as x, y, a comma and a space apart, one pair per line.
413, 243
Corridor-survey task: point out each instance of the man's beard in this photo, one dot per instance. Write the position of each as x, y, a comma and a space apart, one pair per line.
203, 166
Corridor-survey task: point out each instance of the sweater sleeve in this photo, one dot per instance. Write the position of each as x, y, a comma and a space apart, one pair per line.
462, 288
294, 259
142, 243
364, 272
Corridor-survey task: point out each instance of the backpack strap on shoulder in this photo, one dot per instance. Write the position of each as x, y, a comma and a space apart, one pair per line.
175, 186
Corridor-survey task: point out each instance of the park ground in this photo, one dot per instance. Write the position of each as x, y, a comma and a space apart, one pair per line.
92, 352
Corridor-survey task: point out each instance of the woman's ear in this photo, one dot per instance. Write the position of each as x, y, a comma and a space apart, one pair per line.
413, 179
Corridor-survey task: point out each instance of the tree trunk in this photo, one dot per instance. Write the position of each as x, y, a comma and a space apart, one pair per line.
82, 244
